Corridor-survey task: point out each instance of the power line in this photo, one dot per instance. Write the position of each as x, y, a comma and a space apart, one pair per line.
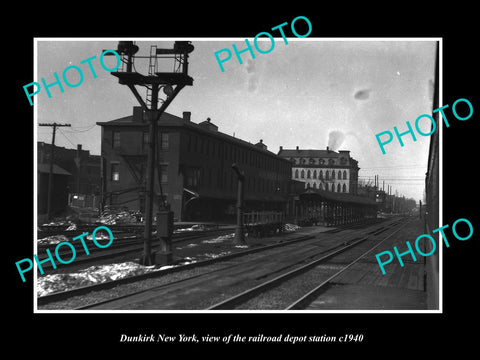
80, 131
65, 136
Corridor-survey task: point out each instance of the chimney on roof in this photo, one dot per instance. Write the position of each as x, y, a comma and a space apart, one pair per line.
207, 124
328, 149
79, 150
281, 147
187, 115
261, 145
297, 147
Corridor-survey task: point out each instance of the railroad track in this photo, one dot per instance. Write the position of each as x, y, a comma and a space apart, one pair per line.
54, 297
121, 247
131, 244
270, 292
229, 266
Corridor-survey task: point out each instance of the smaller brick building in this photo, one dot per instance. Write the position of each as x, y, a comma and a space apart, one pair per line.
76, 177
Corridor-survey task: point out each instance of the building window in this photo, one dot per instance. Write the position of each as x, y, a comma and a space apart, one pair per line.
163, 174
339, 174
333, 174
344, 188
115, 171
333, 187
144, 140
338, 188
314, 185
308, 185
193, 177
164, 141
302, 174
296, 174
314, 174
327, 176
320, 175
344, 174
115, 139
308, 174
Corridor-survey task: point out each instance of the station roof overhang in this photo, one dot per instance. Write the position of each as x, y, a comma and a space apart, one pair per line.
330, 196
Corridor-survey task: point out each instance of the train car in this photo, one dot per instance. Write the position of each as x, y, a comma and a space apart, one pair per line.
263, 223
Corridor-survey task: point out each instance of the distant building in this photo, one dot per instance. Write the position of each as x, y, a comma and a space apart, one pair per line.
323, 169
82, 184
194, 172
59, 188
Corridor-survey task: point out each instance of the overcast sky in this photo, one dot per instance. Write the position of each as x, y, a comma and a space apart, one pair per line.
311, 93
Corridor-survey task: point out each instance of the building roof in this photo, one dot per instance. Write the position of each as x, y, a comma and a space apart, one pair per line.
339, 197
57, 170
129, 120
310, 153
204, 127
299, 157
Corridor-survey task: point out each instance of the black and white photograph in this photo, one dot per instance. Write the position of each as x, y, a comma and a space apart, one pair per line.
251, 188
260, 185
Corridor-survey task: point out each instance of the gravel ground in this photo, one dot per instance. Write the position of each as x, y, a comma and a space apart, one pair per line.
197, 252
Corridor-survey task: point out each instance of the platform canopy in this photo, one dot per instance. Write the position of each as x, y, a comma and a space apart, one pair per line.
336, 197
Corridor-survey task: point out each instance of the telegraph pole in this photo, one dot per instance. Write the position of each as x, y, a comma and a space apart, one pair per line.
239, 229
50, 172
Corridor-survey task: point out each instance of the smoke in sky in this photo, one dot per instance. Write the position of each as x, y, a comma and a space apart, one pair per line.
335, 139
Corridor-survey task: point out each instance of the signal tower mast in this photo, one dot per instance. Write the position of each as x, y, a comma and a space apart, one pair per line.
171, 83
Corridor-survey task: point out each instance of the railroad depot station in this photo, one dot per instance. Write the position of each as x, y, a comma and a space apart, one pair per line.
195, 177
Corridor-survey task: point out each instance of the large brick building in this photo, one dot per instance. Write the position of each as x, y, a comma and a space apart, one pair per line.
323, 169
193, 172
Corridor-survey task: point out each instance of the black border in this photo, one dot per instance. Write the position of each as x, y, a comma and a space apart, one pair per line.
385, 334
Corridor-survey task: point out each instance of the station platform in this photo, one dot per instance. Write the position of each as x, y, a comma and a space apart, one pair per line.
364, 287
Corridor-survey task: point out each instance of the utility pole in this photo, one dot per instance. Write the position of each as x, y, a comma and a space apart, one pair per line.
239, 229
50, 172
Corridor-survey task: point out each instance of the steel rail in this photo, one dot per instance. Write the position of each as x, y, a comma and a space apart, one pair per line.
62, 295
298, 304
250, 293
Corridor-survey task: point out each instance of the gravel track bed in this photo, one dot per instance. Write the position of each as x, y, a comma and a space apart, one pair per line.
279, 297
125, 289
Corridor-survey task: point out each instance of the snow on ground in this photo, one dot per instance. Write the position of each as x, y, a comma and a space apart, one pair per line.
102, 273
219, 239
52, 240
213, 256
291, 227
91, 275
